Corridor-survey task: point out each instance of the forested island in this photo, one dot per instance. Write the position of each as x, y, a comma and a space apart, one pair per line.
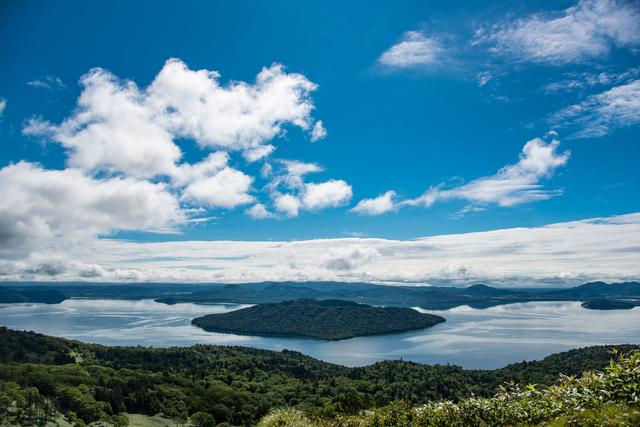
323, 319
44, 378
610, 304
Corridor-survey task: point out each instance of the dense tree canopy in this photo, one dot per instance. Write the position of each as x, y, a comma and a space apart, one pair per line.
324, 319
234, 385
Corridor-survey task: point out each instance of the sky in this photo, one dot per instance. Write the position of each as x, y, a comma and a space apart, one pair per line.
407, 142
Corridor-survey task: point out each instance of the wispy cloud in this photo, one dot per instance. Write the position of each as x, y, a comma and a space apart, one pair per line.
577, 81
48, 82
415, 49
512, 185
588, 30
600, 114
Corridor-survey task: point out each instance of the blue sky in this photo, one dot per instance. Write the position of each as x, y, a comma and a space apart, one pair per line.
417, 98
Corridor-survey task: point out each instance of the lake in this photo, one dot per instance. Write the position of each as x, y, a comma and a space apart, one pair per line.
472, 338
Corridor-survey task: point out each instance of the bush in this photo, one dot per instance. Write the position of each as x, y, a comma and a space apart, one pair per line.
613, 394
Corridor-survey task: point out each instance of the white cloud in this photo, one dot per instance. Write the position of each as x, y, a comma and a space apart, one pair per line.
40, 207
48, 82
291, 174
585, 31
113, 129
553, 255
3, 106
255, 154
327, 194
600, 114
290, 179
239, 116
350, 257
484, 77
299, 169
512, 185
377, 206
258, 211
318, 132
583, 80
287, 204
266, 170
226, 189
414, 49
209, 166
119, 127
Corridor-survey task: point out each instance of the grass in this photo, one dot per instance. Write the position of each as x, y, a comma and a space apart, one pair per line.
139, 420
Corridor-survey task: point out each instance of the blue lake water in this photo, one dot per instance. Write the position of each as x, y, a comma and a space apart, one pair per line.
472, 338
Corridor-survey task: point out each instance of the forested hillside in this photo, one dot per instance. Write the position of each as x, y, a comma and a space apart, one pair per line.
607, 398
234, 385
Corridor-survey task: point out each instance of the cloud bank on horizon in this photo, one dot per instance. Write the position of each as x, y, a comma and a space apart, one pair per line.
188, 148
553, 255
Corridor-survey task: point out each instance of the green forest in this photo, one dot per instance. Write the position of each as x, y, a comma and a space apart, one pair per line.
323, 319
43, 377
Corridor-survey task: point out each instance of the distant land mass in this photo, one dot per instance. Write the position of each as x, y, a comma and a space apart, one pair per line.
323, 319
36, 294
610, 304
427, 297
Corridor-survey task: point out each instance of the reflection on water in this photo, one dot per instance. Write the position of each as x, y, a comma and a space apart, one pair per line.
472, 338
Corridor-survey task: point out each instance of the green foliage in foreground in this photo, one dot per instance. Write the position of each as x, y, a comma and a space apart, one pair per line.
324, 319
611, 398
43, 378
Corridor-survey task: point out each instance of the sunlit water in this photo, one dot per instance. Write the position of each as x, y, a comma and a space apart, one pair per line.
472, 338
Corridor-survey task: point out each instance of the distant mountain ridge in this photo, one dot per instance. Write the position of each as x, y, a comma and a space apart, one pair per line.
428, 297
323, 319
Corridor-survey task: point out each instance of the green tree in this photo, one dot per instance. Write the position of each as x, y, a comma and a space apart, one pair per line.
202, 419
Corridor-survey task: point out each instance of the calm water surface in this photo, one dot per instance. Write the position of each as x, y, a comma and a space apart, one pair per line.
472, 338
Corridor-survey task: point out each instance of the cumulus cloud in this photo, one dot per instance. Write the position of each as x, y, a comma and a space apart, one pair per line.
327, 194
512, 185
599, 114
237, 117
413, 50
120, 127
3, 106
226, 189
112, 130
554, 255
377, 206
291, 193
258, 211
39, 207
287, 204
588, 30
